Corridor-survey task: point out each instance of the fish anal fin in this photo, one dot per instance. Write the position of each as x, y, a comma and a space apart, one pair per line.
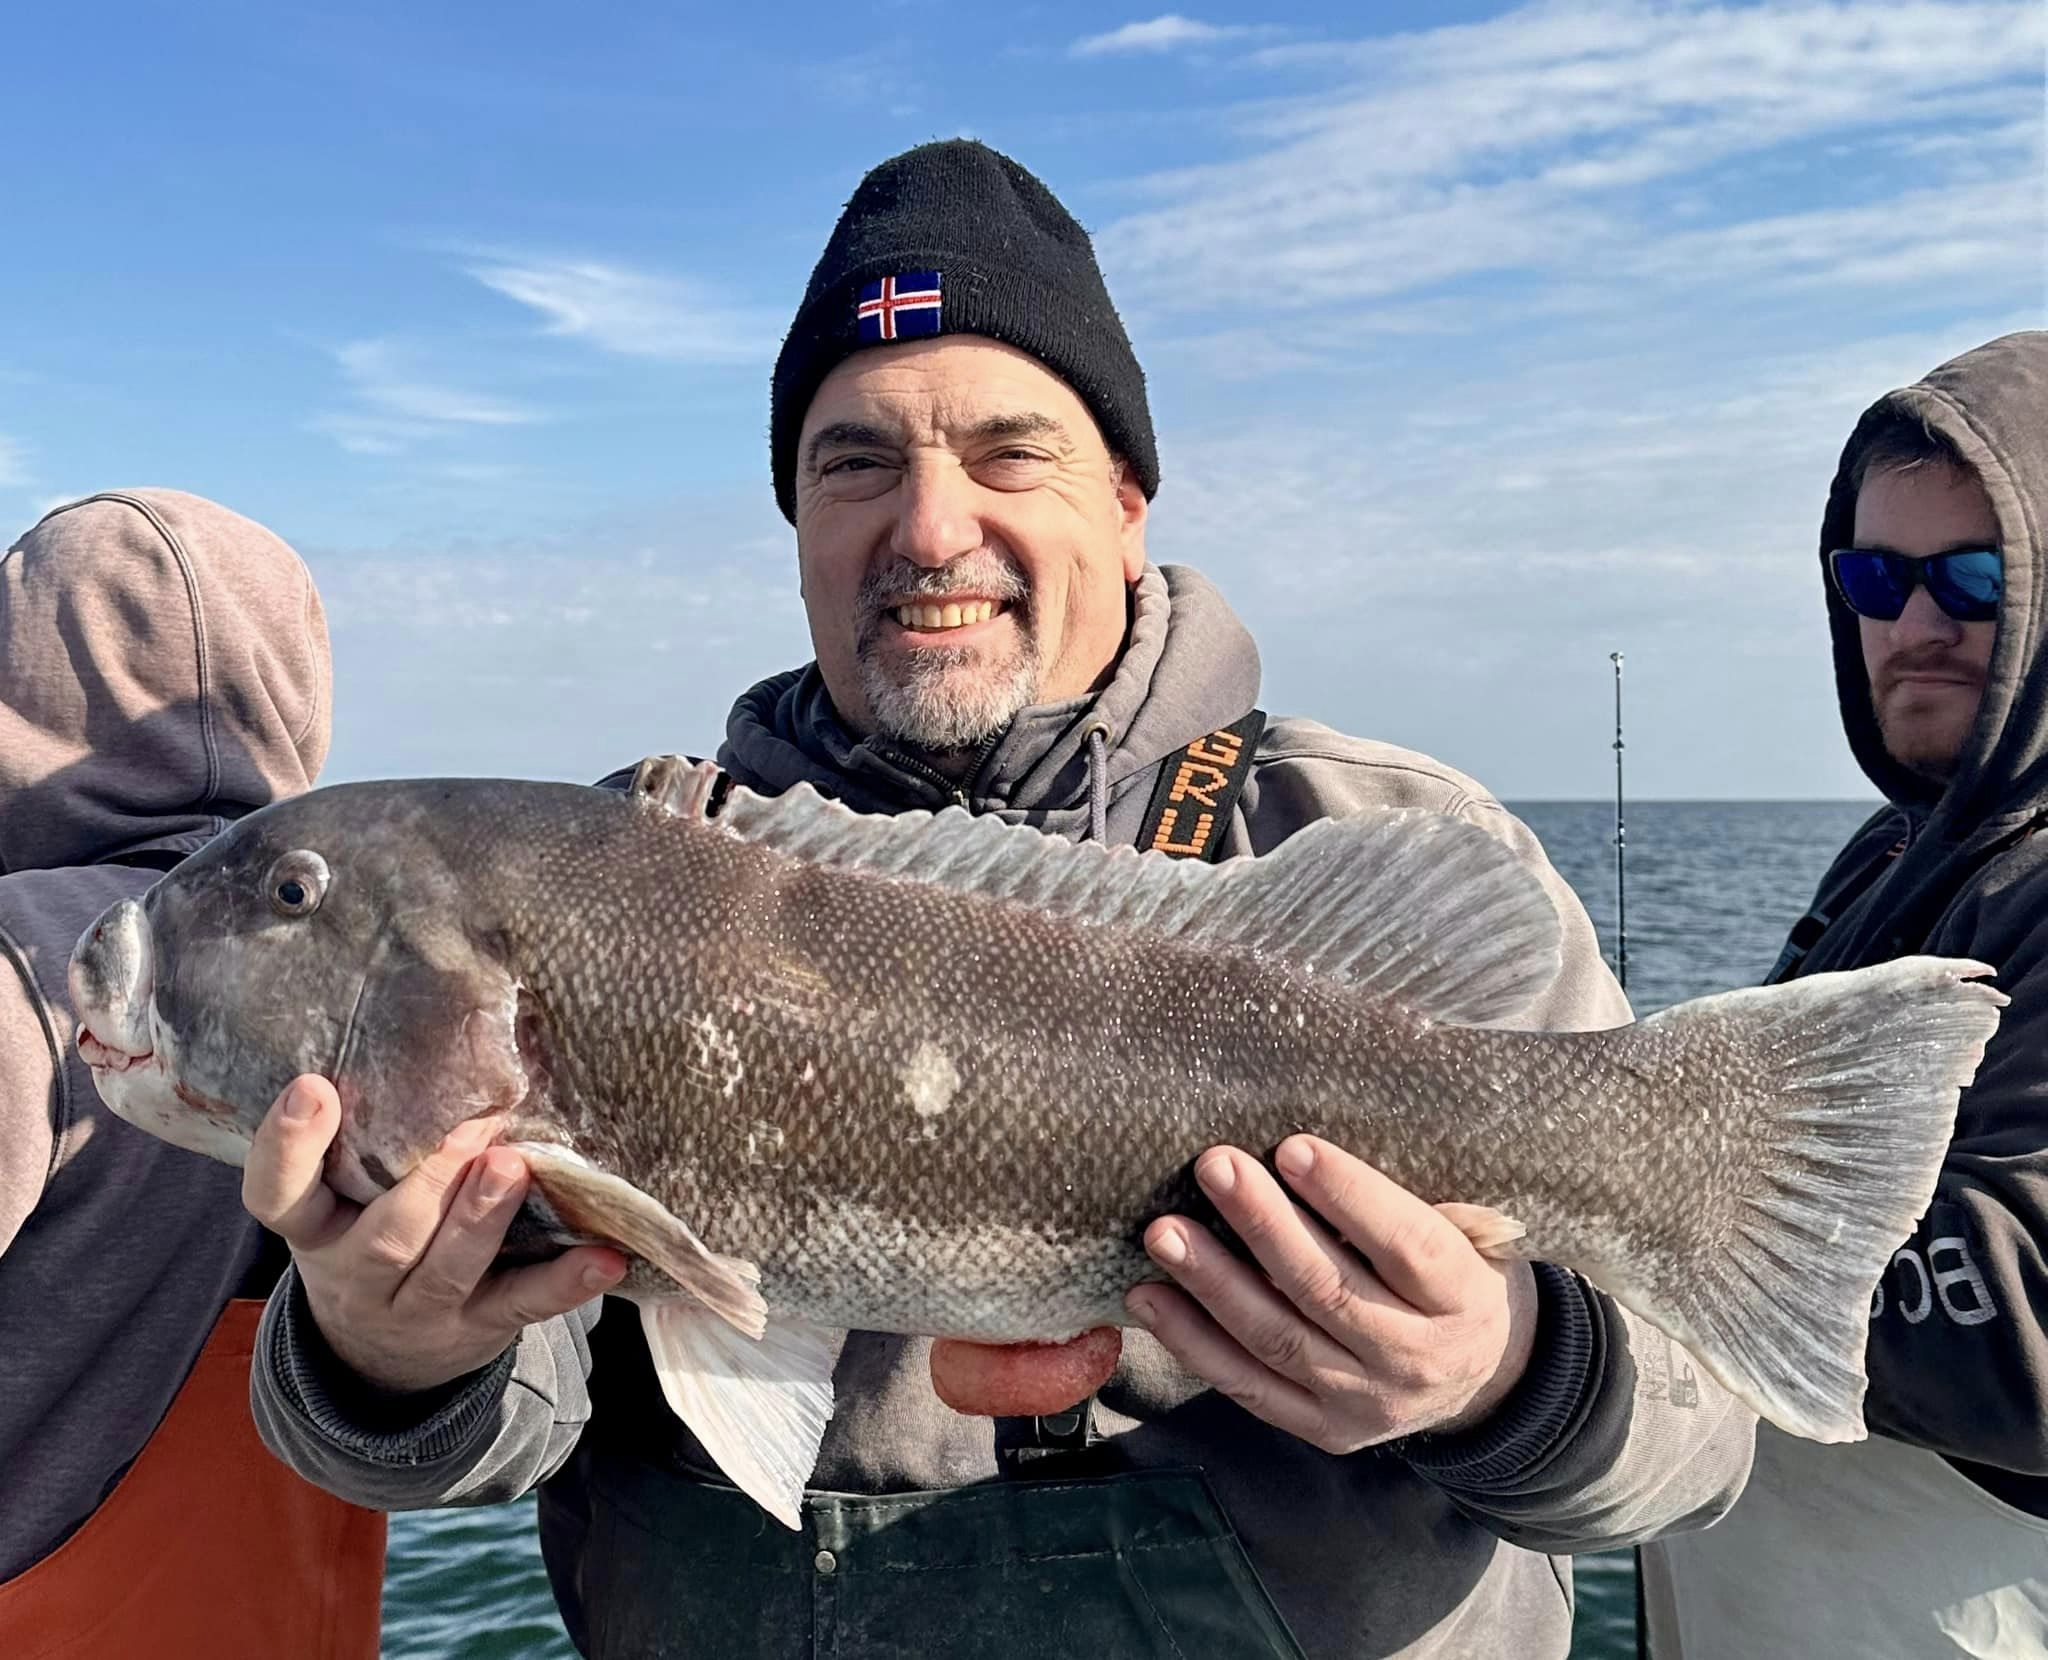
759, 1407
1492, 1233
1425, 910
686, 788
590, 1201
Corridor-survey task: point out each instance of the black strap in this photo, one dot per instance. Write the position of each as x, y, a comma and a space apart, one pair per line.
1191, 804
1807, 931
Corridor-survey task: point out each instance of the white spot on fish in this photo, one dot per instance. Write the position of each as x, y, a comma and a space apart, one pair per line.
930, 1080
764, 1142
810, 1071
716, 1054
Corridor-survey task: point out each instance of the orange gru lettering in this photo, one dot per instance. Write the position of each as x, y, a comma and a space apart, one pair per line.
1185, 785
1226, 756
1162, 838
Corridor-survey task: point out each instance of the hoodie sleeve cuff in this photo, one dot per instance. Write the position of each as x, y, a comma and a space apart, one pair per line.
1543, 1411
359, 1420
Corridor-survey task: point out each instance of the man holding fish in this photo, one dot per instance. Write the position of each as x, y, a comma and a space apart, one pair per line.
1930, 1538
824, 1075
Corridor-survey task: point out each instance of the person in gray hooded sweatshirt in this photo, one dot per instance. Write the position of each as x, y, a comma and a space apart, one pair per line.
1931, 1538
961, 438
163, 670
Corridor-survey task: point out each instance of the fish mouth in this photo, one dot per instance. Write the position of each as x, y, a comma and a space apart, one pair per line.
104, 1057
112, 981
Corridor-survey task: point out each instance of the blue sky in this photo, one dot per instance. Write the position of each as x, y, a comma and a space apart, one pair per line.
1482, 340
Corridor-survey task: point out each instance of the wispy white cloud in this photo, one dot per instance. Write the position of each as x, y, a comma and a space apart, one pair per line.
399, 404
1449, 568
633, 313
1937, 235
1541, 337
384, 377
1168, 33
1529, 142
13, 462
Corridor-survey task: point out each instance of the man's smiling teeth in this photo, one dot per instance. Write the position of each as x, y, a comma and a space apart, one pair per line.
945, 616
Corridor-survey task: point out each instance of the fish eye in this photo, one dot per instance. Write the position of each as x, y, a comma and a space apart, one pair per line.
297, 883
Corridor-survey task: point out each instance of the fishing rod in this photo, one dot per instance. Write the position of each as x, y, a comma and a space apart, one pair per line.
1620, 842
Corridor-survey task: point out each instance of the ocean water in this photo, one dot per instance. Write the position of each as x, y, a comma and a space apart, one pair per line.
1712, 889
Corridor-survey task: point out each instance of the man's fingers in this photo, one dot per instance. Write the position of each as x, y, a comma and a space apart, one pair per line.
1243, 1303
521, 1297
471, 1232
1415, 1251
1187, 1333
282, 1184
1314, 1270
399, 1224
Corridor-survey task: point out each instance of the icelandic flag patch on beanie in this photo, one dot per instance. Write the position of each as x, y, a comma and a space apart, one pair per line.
901, 307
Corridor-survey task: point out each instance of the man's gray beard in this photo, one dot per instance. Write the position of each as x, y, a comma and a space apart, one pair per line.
946, 702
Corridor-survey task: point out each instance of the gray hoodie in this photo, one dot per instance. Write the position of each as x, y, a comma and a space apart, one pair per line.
1432, 1548
163, 669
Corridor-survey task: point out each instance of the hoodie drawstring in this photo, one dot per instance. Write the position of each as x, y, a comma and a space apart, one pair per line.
1098, 783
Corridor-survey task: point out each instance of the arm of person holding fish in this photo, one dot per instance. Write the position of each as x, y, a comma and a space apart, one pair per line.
1958, 1361
414, 1343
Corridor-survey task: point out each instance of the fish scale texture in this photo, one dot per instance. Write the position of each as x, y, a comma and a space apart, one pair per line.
922, 1110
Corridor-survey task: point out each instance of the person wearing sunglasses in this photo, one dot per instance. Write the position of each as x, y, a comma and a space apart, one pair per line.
1931, 1537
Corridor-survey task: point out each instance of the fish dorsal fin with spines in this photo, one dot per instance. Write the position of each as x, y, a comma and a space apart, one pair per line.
675, 785
1415, 908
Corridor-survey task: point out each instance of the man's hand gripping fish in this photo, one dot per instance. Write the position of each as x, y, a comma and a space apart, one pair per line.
816, 1071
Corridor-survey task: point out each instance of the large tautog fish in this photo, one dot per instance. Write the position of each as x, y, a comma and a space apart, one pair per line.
817, 1071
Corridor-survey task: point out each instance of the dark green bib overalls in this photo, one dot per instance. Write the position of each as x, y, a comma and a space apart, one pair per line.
1061, 1556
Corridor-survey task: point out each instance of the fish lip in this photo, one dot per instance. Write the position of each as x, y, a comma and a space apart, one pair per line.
101, 1056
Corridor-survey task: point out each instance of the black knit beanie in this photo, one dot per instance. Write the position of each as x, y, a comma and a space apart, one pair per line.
954, 238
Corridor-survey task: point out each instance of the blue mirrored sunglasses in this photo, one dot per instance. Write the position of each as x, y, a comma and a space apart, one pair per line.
1966, 584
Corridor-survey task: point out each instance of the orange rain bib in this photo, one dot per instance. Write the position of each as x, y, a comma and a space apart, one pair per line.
208, 1548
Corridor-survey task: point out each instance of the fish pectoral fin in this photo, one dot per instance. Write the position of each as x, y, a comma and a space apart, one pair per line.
759, 1407
675, 785
1491, 1232
590, 1201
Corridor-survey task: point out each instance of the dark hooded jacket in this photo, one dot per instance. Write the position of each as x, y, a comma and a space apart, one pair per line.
1971, 880
1932, 1537
1437, 1549
163, 670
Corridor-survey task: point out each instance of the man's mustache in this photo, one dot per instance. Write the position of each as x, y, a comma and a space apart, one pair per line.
1926, 660
982, 575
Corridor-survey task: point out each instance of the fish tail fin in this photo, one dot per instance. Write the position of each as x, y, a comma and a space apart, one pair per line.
1831, 1154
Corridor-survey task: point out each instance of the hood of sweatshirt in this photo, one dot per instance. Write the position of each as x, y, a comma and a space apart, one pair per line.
164, 668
